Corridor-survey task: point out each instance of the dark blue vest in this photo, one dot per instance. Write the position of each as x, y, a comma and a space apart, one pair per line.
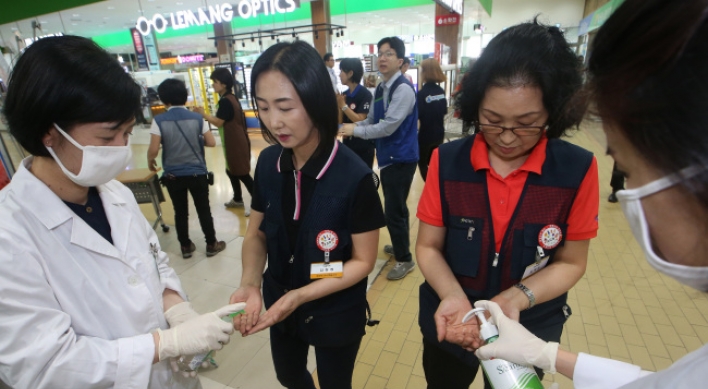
336, 319
402, 145
470, 243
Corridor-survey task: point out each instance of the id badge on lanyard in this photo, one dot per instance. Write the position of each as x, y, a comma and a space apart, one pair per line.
548, 239
327, 241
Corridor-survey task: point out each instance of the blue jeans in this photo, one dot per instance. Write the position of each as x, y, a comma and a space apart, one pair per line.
396, 182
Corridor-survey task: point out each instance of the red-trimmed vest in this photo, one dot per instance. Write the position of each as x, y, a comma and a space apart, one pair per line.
469, 242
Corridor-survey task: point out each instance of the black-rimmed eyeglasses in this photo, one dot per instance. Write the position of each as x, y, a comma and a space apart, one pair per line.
520, 130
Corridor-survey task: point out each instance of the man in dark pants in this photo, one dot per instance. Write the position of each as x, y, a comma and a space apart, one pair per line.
183, 134
617, 183
393, 122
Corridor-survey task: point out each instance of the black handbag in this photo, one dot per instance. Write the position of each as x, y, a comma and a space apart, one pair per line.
210, 175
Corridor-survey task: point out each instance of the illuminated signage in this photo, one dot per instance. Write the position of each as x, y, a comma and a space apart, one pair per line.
451, 5
213, 14
182, 59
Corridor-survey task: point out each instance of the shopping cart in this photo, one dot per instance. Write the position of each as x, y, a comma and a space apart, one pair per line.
146, 189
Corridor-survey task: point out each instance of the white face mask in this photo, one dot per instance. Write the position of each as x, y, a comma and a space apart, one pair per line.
99, 164
693, 276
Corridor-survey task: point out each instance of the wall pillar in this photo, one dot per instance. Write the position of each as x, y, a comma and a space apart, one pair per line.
224, 47
321, 15
450, 35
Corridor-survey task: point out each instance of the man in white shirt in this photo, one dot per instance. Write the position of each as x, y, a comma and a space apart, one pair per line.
329, 62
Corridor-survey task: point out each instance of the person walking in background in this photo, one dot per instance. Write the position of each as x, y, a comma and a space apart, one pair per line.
315, 223
355, 103
652, 99
370, 84
508, 213
432, 107
404, 69
393, 122
616, 182
182, 135
329, 63
231, 122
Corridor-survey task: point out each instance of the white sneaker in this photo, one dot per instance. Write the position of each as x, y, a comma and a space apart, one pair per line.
233, 204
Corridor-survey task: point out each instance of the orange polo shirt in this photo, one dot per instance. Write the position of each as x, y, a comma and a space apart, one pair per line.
504, 193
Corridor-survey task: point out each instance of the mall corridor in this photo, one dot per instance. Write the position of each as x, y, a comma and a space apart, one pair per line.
622, 308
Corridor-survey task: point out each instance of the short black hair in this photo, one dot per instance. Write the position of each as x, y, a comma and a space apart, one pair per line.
173, 92
327, 56
67, 80
352, 65
395, 43
527, 54
648, 79
406, 61
301, 64
225, 77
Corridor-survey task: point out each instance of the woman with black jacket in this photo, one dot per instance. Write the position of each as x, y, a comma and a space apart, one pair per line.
432, 107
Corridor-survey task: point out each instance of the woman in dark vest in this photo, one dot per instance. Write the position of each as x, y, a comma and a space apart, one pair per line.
507, 214
315, 222
432, 107
234, 136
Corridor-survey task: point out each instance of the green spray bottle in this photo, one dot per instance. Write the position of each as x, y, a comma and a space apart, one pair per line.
500, 373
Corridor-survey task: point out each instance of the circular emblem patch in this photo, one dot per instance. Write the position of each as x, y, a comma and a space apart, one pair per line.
327, 240
550, 237
352, 106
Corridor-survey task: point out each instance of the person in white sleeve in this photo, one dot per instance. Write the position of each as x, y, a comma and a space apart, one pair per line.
87, 296
648, 79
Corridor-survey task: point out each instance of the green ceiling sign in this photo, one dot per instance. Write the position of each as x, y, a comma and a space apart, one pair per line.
14, 10
487, 5
337, 7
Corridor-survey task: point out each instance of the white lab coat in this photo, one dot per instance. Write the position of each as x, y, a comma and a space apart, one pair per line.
76, 311
601, 373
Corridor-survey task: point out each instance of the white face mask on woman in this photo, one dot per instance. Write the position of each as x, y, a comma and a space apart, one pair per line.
631, 201
99, 164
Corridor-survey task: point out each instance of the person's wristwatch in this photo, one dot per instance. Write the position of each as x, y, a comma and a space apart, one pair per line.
344, 108
529, 294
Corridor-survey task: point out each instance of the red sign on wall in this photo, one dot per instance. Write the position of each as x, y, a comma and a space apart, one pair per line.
447, 20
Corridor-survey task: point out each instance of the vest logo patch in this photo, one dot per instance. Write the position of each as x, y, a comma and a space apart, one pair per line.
466, 221
550, 237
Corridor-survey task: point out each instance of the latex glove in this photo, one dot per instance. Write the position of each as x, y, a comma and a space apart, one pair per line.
180, 313
516, 344
198, 335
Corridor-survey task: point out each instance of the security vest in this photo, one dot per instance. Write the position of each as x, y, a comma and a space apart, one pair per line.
469, 241
402, 145
336, 319
177, 156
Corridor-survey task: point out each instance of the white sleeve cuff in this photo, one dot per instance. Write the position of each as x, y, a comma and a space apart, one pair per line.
593, 372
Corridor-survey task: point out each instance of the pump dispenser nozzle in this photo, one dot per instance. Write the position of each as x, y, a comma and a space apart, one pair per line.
487, 330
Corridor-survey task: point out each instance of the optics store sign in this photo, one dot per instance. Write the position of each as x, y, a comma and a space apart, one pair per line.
214, 14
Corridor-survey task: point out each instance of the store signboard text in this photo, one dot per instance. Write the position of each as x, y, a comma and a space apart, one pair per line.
213, 14
182, 59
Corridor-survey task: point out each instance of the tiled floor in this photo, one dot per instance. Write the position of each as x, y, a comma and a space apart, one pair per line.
622, 308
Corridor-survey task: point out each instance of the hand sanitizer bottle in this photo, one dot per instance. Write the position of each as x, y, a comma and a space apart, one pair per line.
500, 373
193, 363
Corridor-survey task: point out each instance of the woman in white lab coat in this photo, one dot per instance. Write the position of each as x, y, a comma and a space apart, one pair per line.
648, 77
87, 298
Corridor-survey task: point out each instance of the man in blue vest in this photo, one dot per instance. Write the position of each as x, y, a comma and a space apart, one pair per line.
183, 135
393, 123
